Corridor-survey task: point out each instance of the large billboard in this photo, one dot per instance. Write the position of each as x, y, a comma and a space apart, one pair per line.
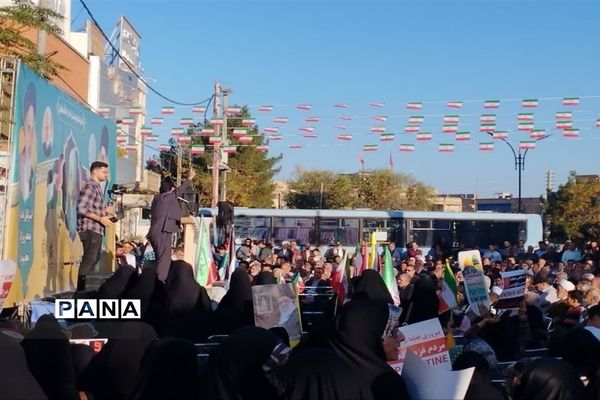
55, 139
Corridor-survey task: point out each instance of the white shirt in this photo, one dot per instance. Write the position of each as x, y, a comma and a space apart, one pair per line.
595, 331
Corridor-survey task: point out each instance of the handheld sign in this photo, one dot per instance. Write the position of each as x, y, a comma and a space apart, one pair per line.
475, 286
8, 269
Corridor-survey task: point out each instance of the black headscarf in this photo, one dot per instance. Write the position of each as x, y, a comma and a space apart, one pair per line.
16, 380
264, 278
549, 379
321, 374
370, 286
111, 373
235, 370
236, 309
360, 327
481, 387
49, 359
169, 370
114, 286
81, 355
425, 302
184, 294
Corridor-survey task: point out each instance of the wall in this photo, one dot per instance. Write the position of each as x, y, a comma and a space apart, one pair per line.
55, 139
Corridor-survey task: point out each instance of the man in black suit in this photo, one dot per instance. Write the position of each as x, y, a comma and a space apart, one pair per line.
165, 219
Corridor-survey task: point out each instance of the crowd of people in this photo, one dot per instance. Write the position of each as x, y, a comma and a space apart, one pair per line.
345, 350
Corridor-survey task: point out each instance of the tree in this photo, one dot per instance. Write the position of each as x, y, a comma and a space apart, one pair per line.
573, 211
380, 190
15, 22
250, 180
305, 190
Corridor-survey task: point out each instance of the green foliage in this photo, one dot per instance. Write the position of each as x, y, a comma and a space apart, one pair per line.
379, 190
573, 211
250, 182
14, 22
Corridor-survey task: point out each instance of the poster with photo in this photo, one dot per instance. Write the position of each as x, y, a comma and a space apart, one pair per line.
277, 305
475, 285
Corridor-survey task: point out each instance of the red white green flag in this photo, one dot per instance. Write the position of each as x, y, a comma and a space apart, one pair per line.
199, 110
127, 121
263, 148
379, 118
570, 133
340, 279
386, 137
215, 140
177, 131
184, 139
416, 119
345, 136
295, 146
370, 147
130, 147
564, 115
446, 147
500, 135
414, 105
164, 147
135, 111
342, 127
491, 104
310, 135
122, 139
186, 121
564, 124
248, 122
234, 111
215, 121
454, 104
239, 132
451, 119
450, 128
424, 136
489, 127
304, 107
486, 146
206, 269
245, 139
570, 101
104, 111
449, 290
146, 130
537, 133
525, 117
167, 110
341, 105
280, 120
197, 150
412, 129
378, 129
312, 119
151, 138
376, 104
229, 149
598, 123
275, 137
388, 276
462, 136
207, 132
529, 103
271, 129
308, 129
157, 121
527, 145
265, 108
525, 126
346, 117
406, 147
487, 118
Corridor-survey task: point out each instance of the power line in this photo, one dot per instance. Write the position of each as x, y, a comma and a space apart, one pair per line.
132, 69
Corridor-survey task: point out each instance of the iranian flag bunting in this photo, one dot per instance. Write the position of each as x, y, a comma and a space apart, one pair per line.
234, 111
310, 135
265, 108
379, 118
376, 104
451, 119
308, 129
342, 127
164, 147
295, 146
564, 124
598, 123
304, 107
104, 111
157, 121
346, 117
275, 137
537, 133
450, 128
570, 101
239, 132
446, 147
271, 129
199, 110
564, 115
529, 103
487, 118
486, 146
461, 136
245, 139
388, 276
454, 104
229, 149
386, 137
500, 135
312, 119
527, 145
248, 122
414, 105
206, 270
215, 140
449, 289
370, 147
127, 121
167, 110
412, 129
416, 119
491, 104
378, 129
280, 120
197, 150
341, 105
207, 132
263, 148
525, 117
570, 133
177, 131
151, 138
346, 137
186, 121
184, 139
407, 147
487, 127
145, 131
525, 126
215, 121
424, 136
135, 111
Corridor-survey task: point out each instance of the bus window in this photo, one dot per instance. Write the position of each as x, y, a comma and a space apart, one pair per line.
255, 228
484, 233
300, 229
428, 233
333, 230
393, 227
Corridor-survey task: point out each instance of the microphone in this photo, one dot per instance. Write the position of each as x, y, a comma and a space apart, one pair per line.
182, 199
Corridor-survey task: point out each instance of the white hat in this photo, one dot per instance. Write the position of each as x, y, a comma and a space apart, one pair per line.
567, 285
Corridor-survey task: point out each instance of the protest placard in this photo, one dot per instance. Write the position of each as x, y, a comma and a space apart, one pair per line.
277, 305
474, 279
427, 340
513, 289
8, 269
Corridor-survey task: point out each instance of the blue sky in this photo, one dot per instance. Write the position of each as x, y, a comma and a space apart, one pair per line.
287, 53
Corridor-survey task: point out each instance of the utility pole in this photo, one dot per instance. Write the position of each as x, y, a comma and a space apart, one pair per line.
549, 181
224, 142
179, 167
216, 149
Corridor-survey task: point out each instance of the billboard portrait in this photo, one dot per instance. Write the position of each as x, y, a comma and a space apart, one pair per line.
55, 139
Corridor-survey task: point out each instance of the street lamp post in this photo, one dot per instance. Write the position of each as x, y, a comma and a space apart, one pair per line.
519, 162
